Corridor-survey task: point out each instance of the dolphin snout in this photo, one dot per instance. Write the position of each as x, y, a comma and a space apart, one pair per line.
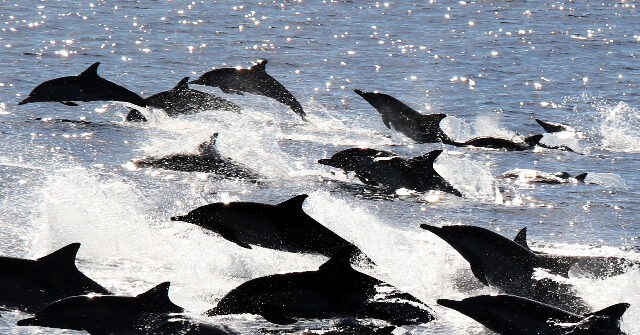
27, 322
179, 218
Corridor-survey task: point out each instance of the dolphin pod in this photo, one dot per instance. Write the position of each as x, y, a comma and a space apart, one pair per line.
254, 80
29, 285
284, 226
382, 168
335, 290
512, 315
87, 86
182, 100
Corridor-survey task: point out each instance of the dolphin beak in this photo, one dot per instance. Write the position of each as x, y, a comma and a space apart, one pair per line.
27, 322
358, 92
433, 229
179, 218
25, 101
325, 161
453, 304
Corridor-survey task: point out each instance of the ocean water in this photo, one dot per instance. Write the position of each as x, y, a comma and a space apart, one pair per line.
491, 66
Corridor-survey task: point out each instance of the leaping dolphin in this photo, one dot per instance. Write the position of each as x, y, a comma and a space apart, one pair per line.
182, 100
254, 80
374, 167
335, 290
395, 114
500, 262
29, 285
108, 314
284, 226
87, 86
512, 315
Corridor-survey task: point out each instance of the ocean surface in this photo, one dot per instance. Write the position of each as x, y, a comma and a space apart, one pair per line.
491, 66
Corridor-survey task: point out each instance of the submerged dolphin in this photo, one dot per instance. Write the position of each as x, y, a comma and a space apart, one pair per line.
375, 167
512, 315
182, 100
284, 226
591, 266
254, 80
335, 290
533, 176
395, 114
501, 143
497, 261
87, 86
30, 285
206, 160
108, 314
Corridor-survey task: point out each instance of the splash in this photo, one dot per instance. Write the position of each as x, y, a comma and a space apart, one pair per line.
620, 127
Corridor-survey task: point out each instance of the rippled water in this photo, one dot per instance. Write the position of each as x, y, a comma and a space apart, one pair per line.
492, 66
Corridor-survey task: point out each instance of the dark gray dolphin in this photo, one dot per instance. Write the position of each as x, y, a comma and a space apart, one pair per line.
590, 266
206, 160
254, 80
182, 100
501, 143
87, 86
552, 127
108, 314
333, 291
374, 167
547, 178
512, 315
29, 285
500, 262
395, 114
284, 226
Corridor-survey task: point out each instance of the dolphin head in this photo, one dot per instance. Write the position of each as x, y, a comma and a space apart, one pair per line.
205, 215
214, 78
354, 158
377, 100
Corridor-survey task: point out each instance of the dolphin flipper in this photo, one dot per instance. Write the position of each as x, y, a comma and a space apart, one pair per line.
385, 120
228, 235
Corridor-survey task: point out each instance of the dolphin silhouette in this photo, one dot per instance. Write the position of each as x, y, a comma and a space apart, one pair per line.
182, 100
87, 86
29, 285
108, 314
402, 118
513, 315
335, 290
254, 80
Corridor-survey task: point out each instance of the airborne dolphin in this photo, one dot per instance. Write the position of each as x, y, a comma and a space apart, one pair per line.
512, 315
335, 290
182, 100
284, 226
108, 314
374, 167
254, 80
497, 261
30, 285
206, 160
87, 86
395, 114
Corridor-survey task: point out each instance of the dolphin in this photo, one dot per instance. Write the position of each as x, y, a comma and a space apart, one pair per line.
87, 86
500, 143
590, 266
402, 118
253, 80
335, 290
108, 314
206, 160
29, 285
513, 315
500, 262
552, 127
284, 226
533, 176
182, 100
378, 168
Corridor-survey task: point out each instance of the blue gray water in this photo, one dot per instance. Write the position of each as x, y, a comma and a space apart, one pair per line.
491, 66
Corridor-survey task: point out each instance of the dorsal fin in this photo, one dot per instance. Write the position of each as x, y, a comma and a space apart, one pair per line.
614, 311
533, 140
293, 204
340, 261
158, 297
63, 257
581, 177
91, 71
261, 66
428, 158
521, 238
434, 117
183, 85
208, 147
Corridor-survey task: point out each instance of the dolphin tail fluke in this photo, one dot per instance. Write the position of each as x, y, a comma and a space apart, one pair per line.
581, 177
533, 140
64, 257
521, 238
158, 297
183, 85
